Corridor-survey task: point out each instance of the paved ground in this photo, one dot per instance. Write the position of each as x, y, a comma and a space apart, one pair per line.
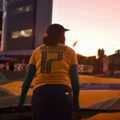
93, 90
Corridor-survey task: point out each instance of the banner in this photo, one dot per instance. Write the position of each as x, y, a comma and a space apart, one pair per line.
85, 68
21, 67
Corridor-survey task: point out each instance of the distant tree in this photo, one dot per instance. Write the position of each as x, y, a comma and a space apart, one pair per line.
81, 59
117, 52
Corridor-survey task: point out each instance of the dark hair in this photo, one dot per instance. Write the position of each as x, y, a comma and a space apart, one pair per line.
53, 33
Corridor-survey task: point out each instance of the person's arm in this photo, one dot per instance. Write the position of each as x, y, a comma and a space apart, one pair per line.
26, 84
75, 85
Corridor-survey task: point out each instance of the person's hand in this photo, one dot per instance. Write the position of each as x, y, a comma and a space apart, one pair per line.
19, 108
76, 107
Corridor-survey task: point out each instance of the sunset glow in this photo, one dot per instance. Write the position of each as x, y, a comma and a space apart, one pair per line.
94, 23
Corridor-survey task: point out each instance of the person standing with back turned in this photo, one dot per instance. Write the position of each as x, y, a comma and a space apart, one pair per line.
53, 69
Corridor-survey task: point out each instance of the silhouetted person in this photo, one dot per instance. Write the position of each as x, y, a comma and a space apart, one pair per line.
11, 65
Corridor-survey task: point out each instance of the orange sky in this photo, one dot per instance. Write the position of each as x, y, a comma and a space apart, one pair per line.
94, 23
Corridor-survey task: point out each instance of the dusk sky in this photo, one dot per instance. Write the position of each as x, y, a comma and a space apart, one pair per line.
94, 23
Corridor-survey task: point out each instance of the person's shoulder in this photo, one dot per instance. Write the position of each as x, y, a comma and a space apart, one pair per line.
69, 49
66, 46
39, 48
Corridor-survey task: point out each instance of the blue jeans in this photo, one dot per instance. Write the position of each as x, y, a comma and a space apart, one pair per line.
52, 102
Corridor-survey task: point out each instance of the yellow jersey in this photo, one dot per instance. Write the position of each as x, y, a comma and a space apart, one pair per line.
52, 64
